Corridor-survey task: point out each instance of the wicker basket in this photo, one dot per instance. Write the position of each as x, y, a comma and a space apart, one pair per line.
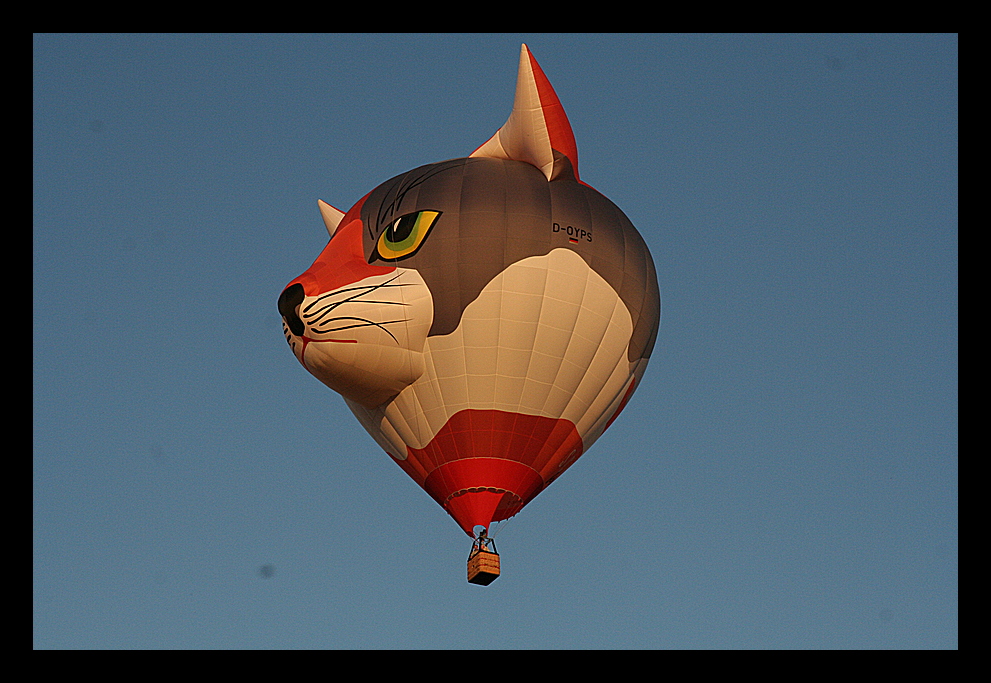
483, 567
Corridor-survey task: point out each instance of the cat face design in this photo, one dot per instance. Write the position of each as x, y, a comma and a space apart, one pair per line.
358, 327
418, 249
485, 318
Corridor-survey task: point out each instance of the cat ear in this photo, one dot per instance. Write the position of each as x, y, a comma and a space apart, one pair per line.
537, 127
331, 216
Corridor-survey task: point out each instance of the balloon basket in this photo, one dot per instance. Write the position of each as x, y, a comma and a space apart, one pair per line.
483, 567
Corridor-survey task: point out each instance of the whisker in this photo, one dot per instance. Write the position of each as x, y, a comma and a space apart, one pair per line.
364, 289
364, 323
315, 317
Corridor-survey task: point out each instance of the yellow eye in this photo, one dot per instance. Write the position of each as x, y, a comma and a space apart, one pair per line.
405, 235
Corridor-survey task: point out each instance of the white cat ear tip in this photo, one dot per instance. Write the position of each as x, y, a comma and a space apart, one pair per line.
331, 217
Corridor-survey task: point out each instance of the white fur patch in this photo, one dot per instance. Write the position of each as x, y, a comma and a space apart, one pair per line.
547, 336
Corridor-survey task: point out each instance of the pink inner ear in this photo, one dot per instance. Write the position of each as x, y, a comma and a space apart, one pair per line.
537, 125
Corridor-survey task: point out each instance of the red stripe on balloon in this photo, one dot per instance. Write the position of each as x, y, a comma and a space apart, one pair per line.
485, 465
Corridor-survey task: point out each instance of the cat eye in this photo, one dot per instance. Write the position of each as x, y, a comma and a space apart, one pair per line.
405, 235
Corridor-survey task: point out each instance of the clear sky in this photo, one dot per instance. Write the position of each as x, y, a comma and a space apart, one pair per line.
785, 476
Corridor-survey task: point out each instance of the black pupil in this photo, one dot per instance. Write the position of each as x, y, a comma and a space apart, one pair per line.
401, 229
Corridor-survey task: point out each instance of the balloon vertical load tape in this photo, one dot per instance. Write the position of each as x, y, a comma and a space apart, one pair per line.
483, 567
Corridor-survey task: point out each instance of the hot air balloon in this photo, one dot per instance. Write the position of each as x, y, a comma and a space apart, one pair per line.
485, 318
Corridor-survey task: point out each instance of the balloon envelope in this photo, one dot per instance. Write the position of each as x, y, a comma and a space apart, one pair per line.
485, 318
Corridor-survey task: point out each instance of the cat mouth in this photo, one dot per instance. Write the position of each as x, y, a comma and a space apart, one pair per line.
308, 340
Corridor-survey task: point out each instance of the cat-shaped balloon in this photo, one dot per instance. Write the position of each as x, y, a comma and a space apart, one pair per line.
485, 318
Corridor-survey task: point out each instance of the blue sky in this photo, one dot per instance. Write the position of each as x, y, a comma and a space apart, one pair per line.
785, 477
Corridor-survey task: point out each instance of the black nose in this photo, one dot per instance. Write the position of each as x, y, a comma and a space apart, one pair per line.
290, 298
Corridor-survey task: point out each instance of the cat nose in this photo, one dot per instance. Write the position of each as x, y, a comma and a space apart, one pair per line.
291, 297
